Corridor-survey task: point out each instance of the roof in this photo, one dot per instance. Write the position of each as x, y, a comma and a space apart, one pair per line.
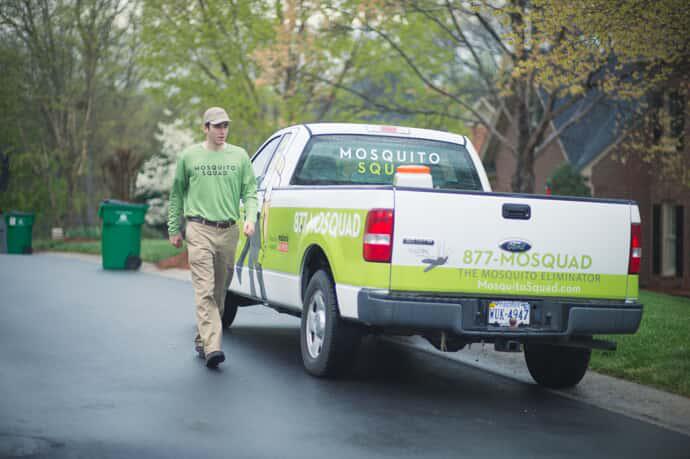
583, 141
594, 133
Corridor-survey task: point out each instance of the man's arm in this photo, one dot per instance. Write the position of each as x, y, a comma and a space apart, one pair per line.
175, 204
249, 198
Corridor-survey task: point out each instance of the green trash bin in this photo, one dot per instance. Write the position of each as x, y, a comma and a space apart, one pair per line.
19, 226
121, 233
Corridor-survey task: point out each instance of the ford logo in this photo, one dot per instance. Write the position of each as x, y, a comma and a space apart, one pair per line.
515, 246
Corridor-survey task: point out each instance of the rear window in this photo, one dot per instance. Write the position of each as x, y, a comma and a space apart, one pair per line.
372, 160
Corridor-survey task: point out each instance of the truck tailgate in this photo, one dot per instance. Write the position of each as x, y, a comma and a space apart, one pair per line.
511, 246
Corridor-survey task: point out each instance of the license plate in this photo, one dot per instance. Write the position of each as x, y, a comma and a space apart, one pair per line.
508, 313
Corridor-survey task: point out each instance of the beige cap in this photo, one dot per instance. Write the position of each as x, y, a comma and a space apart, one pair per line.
215, 115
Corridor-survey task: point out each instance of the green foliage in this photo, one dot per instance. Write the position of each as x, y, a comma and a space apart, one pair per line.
659, 353
567, 181
270, 64
633, 51
406, 70
69, 97
432, 61
83, 232
199, 56
152, 232
34, 187
649, 41
11, 78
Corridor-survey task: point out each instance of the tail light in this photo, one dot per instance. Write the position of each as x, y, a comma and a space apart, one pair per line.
635, 248
378, 236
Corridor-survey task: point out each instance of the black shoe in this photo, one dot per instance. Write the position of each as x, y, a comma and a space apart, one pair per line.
214, 358
200, 351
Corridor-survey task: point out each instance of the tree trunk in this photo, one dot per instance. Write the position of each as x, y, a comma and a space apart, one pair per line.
523, 179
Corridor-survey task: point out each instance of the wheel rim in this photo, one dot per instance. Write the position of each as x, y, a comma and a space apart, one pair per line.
316, 324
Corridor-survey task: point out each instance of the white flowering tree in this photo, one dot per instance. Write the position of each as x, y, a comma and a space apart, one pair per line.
155, 177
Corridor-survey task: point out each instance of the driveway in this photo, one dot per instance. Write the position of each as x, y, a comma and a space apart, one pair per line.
100, 364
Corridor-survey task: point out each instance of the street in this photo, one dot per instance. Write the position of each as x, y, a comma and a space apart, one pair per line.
100, 363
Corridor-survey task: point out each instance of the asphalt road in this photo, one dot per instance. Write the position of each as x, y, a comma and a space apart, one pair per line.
101, 364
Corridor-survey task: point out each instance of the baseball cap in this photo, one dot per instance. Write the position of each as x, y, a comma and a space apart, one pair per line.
215, 115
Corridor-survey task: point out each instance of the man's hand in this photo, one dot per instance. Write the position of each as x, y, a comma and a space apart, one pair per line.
248, 229
176, 240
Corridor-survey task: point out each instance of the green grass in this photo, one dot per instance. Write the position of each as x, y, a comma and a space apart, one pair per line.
152, 250
93, 247
658, 354
83, 232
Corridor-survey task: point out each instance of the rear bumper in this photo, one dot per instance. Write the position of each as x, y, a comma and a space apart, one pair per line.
468, 316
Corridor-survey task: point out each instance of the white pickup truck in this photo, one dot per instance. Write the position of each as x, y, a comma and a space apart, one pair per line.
394, 230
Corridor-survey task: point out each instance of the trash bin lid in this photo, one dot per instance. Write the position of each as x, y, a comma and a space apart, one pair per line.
15, 217
113, 208
119, 203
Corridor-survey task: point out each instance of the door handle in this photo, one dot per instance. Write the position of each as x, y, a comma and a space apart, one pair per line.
517, 211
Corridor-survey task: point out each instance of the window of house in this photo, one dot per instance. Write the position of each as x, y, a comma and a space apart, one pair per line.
669, 117
668, 256
668, 240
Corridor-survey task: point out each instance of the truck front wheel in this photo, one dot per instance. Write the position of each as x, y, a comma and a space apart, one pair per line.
230, 310
328, 343
556, 367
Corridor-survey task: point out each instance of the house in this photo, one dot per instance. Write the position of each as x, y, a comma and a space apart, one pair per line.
596, 150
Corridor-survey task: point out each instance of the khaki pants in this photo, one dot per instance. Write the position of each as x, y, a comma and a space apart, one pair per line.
211, 259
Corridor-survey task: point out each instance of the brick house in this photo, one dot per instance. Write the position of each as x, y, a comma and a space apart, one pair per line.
592, 146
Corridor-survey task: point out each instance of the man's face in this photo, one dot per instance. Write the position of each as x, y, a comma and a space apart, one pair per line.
217, 133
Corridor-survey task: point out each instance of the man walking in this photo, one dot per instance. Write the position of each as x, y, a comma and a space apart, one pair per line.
210, 179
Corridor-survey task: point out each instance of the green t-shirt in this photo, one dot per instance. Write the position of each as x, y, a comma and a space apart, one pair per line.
210, 184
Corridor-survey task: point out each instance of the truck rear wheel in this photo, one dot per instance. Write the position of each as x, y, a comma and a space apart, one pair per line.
328, 344
556, 367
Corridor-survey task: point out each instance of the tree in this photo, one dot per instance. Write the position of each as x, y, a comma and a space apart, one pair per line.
73, 97
256, 59
526, 58
567, 181
120, 171
650, 46
10, 104
63, 48
155, 177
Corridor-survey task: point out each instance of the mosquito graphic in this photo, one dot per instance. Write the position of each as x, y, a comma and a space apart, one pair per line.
434, 262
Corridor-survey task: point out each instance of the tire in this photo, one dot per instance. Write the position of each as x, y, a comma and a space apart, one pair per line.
230, 310
328, 343
132, 262
556, 367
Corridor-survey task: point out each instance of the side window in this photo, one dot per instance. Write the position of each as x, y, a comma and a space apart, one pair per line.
284, 143
277, 162
262, 157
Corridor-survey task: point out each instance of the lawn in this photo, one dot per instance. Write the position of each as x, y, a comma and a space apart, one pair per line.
152, 250
659, 353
